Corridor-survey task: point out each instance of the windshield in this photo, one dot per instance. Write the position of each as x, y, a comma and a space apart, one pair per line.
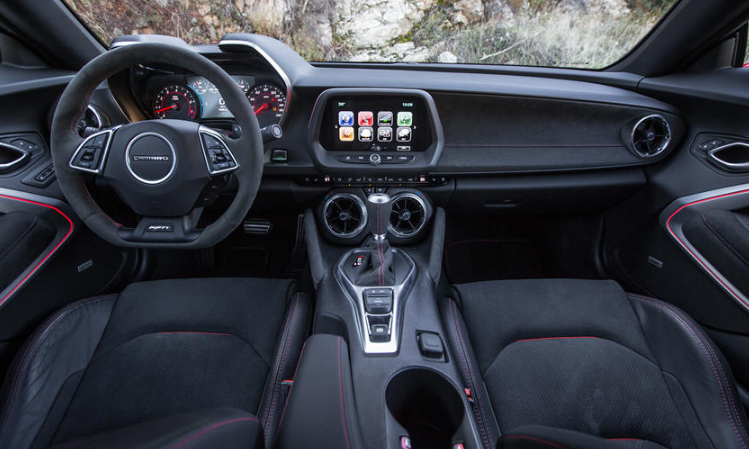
549, 33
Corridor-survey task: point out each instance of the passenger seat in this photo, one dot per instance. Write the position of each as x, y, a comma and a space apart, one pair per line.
582, 364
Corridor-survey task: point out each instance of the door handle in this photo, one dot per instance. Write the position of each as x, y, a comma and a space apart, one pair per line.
11, 157
732, 157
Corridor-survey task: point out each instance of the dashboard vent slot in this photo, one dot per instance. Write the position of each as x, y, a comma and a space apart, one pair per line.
651, 136
408, 216
345, 215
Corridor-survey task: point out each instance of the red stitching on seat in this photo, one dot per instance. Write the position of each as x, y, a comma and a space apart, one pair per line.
537, 440
206, 430
195, 332
555, 338
340, 383
485, 432
704, 345
283, 413
31, 350
280, 363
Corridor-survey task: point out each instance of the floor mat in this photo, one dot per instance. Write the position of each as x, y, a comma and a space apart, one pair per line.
490, 259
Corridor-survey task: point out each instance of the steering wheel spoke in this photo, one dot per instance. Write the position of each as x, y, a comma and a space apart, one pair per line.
164, 229
91, 154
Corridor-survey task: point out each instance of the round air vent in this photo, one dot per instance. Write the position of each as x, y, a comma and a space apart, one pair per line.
345, 215
408, 216
651, 136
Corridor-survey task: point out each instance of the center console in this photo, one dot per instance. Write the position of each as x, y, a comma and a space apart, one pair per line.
379, 352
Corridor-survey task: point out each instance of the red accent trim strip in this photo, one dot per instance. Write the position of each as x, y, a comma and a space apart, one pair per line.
555, 338
38, 265
696, 258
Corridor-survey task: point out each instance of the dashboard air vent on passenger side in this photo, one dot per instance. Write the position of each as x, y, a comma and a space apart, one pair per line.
408, 216
345, 215
651, 136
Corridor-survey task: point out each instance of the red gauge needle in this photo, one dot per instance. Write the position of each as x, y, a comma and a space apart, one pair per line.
257, 111
173, 106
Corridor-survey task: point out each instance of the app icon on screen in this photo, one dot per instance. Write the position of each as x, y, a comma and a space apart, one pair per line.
385, 118
346, 134
366, 118
346, 118
404, 134
405, 119
385, 134
366, 134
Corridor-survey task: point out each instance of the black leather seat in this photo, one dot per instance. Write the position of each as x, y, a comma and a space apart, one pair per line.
196, 358
582, 364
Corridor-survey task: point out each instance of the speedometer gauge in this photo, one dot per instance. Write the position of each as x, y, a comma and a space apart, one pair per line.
176, 102
269, 103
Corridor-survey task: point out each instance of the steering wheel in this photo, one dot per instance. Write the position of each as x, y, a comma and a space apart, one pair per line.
160, 168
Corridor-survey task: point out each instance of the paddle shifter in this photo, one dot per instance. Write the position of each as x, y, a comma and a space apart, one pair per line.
376, 265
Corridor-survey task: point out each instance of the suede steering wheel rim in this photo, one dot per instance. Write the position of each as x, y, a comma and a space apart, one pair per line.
184, 137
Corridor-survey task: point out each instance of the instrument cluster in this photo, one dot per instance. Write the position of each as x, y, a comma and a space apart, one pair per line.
198, 99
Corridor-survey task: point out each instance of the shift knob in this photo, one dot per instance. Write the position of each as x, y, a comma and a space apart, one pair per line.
379, 206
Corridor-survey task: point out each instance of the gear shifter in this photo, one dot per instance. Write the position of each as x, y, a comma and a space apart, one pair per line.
377, 268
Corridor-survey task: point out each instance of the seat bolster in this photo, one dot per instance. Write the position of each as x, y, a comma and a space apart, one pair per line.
543, 437
686, 353
59, 348
223, 427
288, 350
462, 353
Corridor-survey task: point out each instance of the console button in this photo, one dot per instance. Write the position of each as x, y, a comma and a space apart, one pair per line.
430, 345
279, 155
379, 333
378, 301
375, 159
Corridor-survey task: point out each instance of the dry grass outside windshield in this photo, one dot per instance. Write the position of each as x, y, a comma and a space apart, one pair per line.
550, 33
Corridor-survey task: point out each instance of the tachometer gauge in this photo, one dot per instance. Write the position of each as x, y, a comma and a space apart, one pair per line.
269, 103
176, 102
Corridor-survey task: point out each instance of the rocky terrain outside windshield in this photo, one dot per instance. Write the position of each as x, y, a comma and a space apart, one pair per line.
550, 33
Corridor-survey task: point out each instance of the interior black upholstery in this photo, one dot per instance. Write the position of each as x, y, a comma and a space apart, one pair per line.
156, 349
584, 356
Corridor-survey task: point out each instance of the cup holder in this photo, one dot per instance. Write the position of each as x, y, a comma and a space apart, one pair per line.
427, 406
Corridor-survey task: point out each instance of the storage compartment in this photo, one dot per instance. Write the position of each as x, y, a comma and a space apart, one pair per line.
427, 406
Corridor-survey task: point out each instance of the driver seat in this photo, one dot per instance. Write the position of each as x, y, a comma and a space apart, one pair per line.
196, 361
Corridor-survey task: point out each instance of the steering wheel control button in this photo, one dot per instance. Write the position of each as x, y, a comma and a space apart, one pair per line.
375, 159
218, 157
150, 158
90, 155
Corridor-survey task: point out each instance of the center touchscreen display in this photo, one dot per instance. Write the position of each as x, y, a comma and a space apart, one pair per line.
371, 122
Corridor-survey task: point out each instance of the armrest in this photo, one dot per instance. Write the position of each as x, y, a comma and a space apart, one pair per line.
321, 412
